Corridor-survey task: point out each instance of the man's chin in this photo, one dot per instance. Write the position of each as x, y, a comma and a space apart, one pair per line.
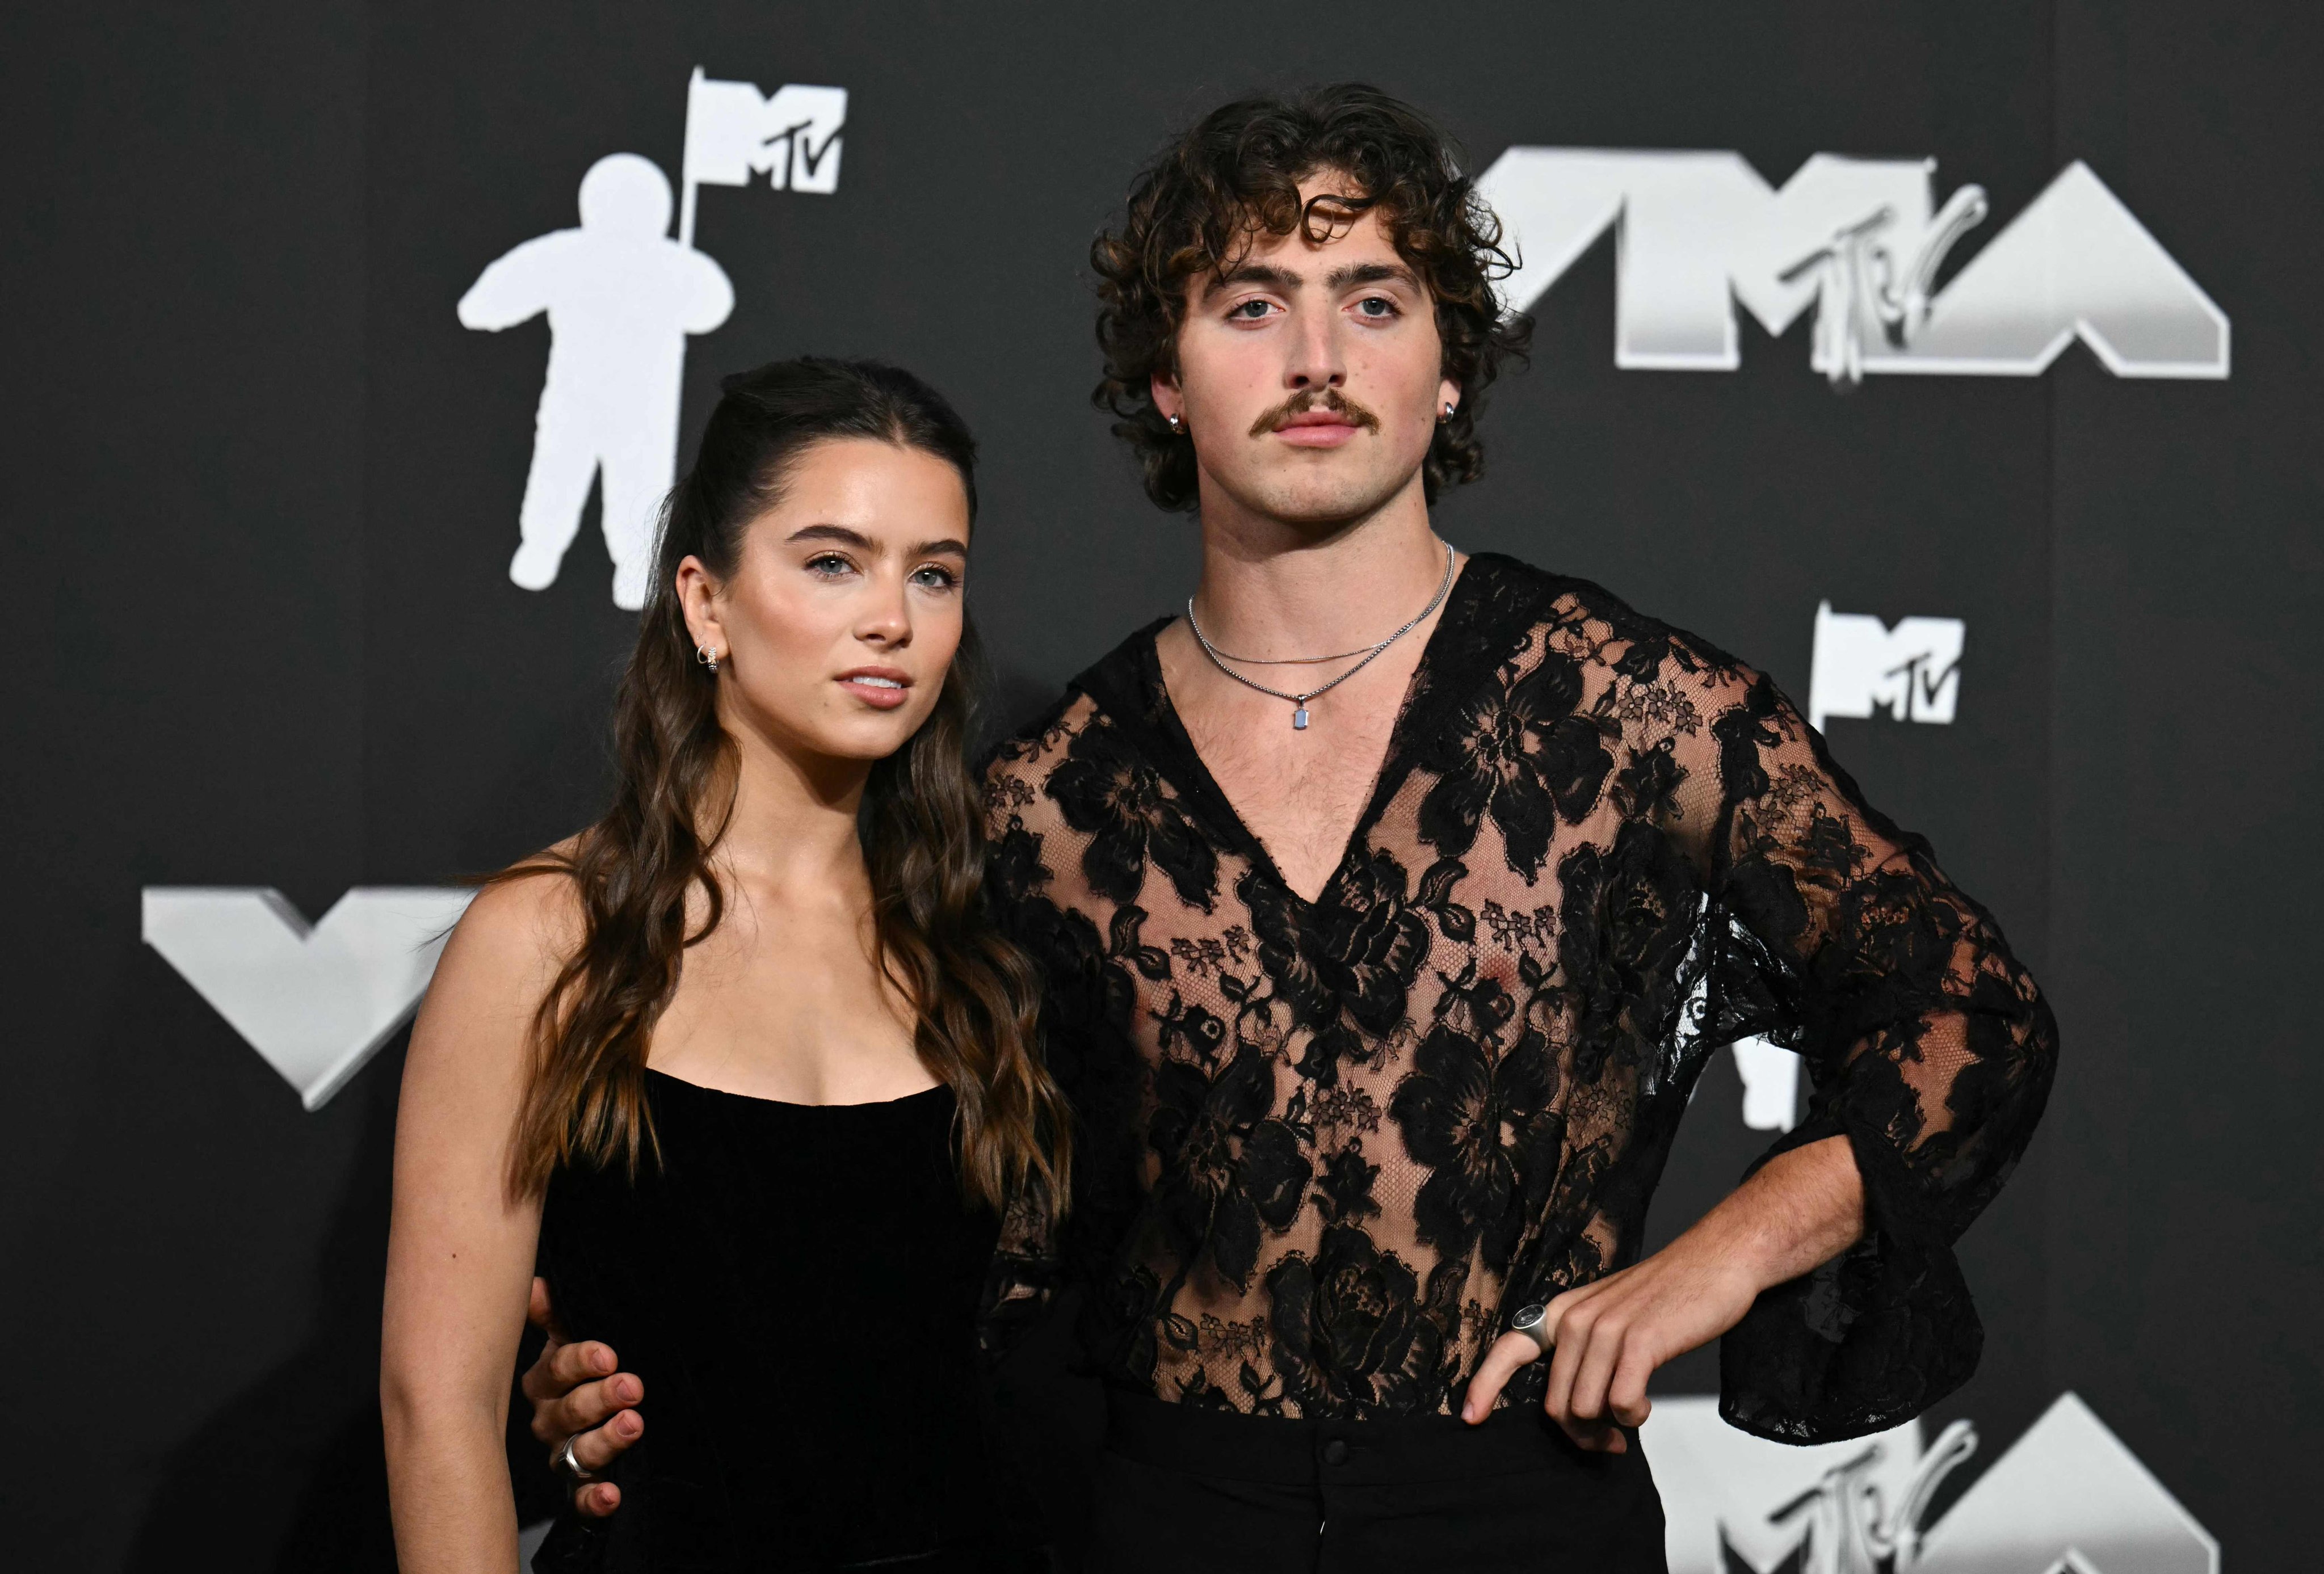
1319, 504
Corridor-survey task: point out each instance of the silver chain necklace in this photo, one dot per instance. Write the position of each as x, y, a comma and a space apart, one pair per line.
1299, 699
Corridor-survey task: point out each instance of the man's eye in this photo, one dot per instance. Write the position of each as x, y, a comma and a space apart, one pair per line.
1248, 311
1376, 305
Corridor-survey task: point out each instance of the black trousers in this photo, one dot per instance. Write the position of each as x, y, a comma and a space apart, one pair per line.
1180, 1489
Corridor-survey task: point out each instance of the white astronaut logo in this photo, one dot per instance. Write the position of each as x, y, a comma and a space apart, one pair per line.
621, 298
1860, 241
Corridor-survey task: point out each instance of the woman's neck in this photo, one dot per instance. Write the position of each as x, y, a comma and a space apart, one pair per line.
792, 826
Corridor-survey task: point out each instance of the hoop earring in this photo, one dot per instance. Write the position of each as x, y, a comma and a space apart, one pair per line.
1449, 407
708, 656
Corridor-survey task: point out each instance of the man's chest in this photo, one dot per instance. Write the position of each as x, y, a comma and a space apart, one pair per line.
1298, 790
1300, 801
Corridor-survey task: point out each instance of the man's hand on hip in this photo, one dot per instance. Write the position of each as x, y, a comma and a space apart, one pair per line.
1608, 1337
1800, 1210
576, 1392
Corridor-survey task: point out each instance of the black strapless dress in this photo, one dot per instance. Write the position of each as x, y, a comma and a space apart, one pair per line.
798, 1286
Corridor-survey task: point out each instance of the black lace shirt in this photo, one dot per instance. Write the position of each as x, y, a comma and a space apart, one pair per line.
1328, 1149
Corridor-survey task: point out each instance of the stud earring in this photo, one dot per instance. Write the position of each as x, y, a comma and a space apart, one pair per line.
1448, 409
1177, 425
707, 655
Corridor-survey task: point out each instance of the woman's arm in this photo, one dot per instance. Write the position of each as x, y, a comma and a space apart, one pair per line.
460, 1249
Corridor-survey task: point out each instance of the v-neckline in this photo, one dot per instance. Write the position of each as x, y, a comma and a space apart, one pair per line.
1209, 800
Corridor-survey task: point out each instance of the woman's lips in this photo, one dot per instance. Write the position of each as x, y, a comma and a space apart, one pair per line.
882, 691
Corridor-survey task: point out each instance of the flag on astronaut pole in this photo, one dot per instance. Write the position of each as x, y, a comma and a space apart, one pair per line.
732, 131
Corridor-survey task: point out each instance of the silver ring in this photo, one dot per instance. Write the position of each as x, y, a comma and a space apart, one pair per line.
563, 1460
1530, 1322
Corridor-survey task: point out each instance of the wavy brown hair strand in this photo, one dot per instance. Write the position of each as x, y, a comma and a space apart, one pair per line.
1235, 176
636, 872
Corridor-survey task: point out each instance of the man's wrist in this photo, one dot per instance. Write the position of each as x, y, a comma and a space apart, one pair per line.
1804, 1208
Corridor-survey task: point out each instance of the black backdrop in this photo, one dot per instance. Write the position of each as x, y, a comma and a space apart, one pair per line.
260, 485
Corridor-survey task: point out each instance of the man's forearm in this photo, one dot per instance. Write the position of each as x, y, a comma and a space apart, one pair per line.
1800, 1210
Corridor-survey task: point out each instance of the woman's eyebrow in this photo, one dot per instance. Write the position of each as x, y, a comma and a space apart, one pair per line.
839, 533
845, 536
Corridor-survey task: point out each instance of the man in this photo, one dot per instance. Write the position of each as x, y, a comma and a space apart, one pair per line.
1390, 903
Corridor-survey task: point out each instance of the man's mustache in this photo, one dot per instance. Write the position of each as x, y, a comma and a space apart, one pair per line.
1307, 398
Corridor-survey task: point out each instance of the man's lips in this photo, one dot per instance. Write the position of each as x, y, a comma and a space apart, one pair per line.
882, 687
1317, 429
1308, 419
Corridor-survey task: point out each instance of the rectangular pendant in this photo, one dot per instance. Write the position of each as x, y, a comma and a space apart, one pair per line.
1299, 718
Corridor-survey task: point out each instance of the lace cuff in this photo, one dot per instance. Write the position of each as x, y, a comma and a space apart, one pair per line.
1871, 1339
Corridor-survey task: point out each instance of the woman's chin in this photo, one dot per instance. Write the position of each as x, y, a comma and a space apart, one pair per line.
867, 737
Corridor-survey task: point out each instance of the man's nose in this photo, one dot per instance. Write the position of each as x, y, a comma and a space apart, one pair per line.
1316, 361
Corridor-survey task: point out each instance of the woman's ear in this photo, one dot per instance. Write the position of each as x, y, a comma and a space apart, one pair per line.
697, 598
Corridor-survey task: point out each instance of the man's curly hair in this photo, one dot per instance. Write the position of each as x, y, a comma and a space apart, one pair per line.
1236, 175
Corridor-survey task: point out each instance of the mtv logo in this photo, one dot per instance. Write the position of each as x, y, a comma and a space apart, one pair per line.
1912, 671
1729, 1499
1861, 241
314, 1000
2067, 1496
732, 131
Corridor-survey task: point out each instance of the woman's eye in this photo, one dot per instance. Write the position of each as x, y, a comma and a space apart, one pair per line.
830, 564
936, 577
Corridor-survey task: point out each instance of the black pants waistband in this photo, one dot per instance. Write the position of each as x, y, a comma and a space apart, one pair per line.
1349, 1453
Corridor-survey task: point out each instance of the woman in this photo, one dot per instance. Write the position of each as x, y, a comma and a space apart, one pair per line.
741, 1065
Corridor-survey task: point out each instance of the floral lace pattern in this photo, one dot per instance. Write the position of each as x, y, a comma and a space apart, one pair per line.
1329, 1148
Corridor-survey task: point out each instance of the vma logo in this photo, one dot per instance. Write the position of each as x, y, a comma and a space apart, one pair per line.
315, 1000
1860, 241
621, 298
2066, 1498
1911, 673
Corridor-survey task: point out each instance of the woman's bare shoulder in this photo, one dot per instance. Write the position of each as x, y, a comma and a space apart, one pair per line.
523, 924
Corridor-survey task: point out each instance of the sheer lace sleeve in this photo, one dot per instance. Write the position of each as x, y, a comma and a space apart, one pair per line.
1833, 932
1031, 854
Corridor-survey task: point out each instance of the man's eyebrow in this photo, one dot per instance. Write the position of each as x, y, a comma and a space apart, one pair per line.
1371, 273
1260, 273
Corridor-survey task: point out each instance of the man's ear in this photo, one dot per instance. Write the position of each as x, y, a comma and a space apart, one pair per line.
1167, 397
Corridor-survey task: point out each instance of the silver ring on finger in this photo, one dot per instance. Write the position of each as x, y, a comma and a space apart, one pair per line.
565, 1463
1533, 1322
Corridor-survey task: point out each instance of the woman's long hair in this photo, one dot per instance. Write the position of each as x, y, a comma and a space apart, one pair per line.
921, 825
